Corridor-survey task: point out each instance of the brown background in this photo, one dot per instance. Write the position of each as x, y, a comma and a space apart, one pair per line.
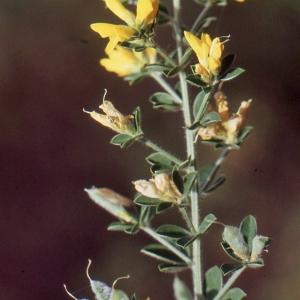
51, 151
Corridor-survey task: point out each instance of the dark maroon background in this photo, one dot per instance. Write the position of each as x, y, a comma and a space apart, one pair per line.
51, 151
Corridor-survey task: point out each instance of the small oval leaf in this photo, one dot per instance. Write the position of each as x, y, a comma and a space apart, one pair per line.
230, 267
143, 200
172, 231
232, 74
234, 294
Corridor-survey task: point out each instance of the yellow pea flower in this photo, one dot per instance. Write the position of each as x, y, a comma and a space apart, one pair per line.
125, 62
113, 119
209, 54
145, 15
229, 128
161, 187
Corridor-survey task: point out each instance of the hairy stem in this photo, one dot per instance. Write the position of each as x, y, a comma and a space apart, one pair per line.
229, 283
165, 243
160, 150
162, 53
159, 79
196, 270
187, 220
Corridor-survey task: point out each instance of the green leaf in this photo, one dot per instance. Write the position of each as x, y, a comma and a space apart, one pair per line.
186, 241
244, 133
173, 72
146, 213
105, 202
235, 239
119, 226
200, 105
158, 68
206, 223
210, 118
232, 74
161, 252
118, 295
156, 169
177, 179
135, 77
181, 291
172, 268
189, 182
160, 159
230, 252
204, 174
123, 140
248, 229
256, 264
143, 200
226, 63
216, 184
165, 101
163, 207
172, 231
137, 120
213, 282
133, 229
186, 56
195, 80
230, 267
234, 294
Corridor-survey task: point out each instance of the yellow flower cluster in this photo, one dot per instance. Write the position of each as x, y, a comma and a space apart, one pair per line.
142, 21
124, 62
209, 54
229, 128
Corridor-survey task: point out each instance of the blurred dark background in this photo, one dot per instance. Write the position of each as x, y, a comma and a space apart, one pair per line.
51, 150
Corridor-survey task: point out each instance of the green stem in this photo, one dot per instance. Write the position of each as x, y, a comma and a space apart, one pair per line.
229, 283
201, 16
164, 242
197, 268
160, 150
187, 220
157, 77
162, 53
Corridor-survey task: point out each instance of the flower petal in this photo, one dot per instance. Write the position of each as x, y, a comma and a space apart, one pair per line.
199, 47
120, 11
146, 11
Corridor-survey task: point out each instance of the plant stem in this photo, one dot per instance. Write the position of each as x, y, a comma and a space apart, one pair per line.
162, 53
157, 77
164, 242
197, 268
160, 150
201, 16
187, 220
229, 283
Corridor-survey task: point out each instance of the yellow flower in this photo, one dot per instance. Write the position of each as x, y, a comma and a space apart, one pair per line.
124, 62
209, 54
113, 119
229, 128
161, 187
145, 14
